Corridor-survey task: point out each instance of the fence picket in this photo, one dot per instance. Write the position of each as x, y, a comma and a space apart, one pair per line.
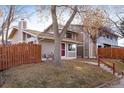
13, 55
115, 53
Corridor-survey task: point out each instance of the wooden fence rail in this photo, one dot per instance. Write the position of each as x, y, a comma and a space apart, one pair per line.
114, 53
101, 60
13, 55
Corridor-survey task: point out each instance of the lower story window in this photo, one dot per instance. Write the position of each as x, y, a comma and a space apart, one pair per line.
71, 47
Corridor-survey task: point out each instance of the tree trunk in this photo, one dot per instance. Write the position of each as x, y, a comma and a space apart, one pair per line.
57, 53
2, 37
59, 36
6, 38
8, 21
95, 49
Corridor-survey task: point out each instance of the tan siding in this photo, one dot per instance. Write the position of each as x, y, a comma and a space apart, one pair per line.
17, 37
47, 47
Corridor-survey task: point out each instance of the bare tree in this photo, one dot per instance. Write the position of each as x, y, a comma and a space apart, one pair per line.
59, 36
93, 20
119, 25
60, 15
7, 19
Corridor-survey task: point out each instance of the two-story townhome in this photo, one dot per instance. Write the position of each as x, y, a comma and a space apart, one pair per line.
68, 45
46, 38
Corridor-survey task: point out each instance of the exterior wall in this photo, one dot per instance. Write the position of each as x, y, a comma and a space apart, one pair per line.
103, 40
47, 48
86, 45
0, 42
88, 48
17, 37
92, 50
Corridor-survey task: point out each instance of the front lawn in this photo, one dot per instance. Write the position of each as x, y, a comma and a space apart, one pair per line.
70, 74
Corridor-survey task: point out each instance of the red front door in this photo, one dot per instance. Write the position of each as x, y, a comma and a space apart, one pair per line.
62, 49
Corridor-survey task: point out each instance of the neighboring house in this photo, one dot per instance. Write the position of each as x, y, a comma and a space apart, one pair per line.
107, 38
21, 34
46, 39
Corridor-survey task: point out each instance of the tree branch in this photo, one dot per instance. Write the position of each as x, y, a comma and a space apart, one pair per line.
68, 22
122, 32
119, 17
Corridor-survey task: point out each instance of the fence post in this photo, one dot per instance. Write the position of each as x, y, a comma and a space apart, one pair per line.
99, 61
113, 68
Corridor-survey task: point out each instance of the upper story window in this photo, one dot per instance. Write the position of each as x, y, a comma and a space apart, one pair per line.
68, 35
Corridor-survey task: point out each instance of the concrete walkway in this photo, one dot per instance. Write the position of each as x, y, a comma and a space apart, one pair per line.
120, 85
92, 63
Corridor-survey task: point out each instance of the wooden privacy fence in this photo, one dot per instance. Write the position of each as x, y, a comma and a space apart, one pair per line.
114, 53
17, 54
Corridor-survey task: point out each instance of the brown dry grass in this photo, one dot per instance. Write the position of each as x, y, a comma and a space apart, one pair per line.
70, 74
